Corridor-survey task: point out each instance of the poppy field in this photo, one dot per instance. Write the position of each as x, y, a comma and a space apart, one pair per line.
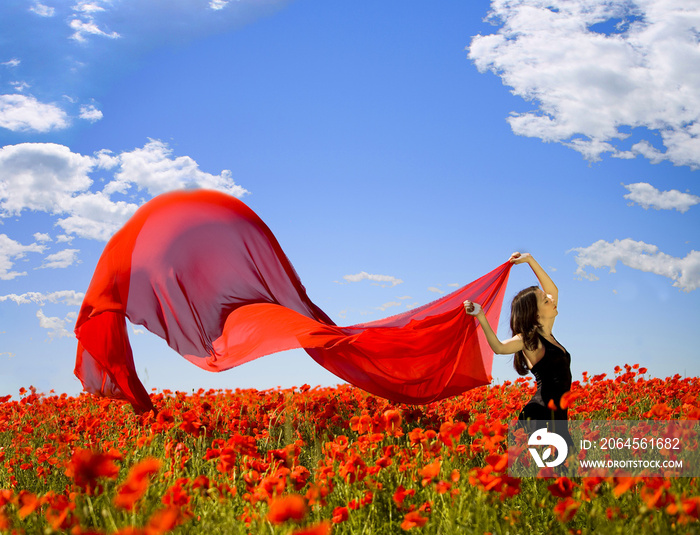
316, 461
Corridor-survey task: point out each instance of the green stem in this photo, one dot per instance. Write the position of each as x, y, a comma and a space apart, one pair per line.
92, 511
108, 515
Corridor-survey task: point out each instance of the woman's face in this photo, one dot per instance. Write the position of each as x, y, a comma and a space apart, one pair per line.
546, 307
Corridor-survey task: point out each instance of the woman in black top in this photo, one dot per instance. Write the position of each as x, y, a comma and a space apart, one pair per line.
532, 316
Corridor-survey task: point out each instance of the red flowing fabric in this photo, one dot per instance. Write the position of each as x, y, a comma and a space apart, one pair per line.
201, 270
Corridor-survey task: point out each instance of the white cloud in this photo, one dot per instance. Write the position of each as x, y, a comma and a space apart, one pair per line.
53, 179
363, 275
590, 87
41, 176
154, 169
65, 297
218, 5
83, 28
88, 6
21, 113
684, 272
94, 215
647, 196
61, 259
390, 304
435, 290
14, 62
90, 113
104, 160
11, 250
20, 86
41, 237
42, 10
85, 24
55, 325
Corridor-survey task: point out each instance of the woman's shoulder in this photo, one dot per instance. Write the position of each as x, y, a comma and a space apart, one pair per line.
553, 343
534, 355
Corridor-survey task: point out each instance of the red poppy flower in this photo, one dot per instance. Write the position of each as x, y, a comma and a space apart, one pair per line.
499, 461
655, 493
413, 520
591, 486
392, 422
340, 514
566, 509
28, 503
567, 398
290, 507
6, 496
354, 469
164, 521
687, 510
384, 461
623, 484
299, 476
563, 487
4, 521
323, 528
401, 494
86, 467
176, 496
441, 487
136, 483
430, 472
450, 432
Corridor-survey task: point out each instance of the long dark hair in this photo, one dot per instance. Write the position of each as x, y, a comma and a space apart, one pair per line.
524, 321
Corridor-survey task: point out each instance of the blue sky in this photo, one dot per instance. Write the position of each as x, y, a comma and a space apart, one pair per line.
396, 149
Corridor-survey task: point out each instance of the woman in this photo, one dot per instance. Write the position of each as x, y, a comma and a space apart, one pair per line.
532, 315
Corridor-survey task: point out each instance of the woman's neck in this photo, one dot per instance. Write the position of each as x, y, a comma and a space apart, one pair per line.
546, 327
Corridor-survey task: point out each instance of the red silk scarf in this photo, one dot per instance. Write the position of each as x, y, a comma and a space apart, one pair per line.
201, 270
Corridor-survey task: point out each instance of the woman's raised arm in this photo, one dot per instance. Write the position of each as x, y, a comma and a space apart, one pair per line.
545, 281
507, 347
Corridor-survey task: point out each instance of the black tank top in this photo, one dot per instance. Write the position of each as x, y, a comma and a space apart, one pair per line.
553, 374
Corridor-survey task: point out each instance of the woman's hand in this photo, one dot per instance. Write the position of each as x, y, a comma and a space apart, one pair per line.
473, 309
519, 258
